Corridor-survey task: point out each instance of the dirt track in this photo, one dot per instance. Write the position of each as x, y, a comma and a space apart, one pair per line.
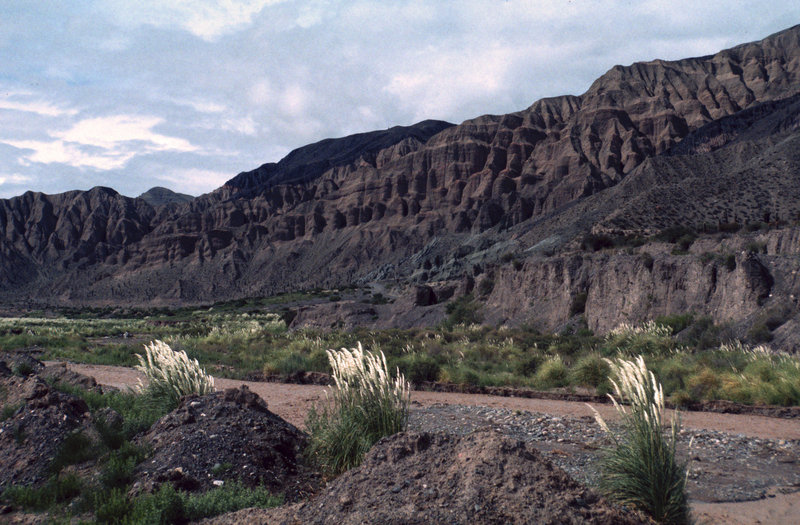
292, 402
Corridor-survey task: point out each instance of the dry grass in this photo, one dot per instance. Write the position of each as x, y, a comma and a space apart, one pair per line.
170, 374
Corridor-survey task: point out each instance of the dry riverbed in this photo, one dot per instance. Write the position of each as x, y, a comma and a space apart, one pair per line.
743, 469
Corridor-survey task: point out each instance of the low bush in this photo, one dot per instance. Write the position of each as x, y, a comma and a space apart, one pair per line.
552, 374
642, 469
76, 448
650, 339
730, 262
462, 311
9, 410
57, 489
759, 333
419, 368
364, 405
593, 242
590, 370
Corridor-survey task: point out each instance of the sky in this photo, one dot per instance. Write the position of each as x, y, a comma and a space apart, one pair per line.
132, 94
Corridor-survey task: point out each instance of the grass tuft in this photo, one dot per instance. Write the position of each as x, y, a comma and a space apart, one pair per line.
642, 470
364, 405
171, 374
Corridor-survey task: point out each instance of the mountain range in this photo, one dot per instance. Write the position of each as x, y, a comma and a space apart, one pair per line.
574, 196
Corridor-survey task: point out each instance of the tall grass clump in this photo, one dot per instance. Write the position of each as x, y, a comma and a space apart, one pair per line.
364, 405
650, 339
171, 375
641, 470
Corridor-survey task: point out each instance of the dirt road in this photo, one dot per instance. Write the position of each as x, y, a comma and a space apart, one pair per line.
292, 402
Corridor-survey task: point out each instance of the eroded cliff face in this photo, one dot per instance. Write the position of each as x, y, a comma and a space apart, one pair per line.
415, 201
650, 282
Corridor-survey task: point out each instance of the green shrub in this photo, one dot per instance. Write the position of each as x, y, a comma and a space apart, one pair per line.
593, 242
9, 410
365, 405
686, 241
76, 448
57, 489
117, 472
462, 311
702, 334
171, 375
552, 374
730, 262
23, 369
649, 338
528, 365
641, 469
704, 384
164, 507
591, 370
228, 498
673, 372
168, 505
112, 506
378, 298
677, 233
759, 333
485, 287
419, 368
292, 363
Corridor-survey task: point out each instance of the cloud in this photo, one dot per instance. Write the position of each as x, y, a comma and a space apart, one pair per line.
109, 132
207, 19
203, 106
39, 107
14, 178
425, 86
12, 183
195, 180
243, 126
102, 143
60, 152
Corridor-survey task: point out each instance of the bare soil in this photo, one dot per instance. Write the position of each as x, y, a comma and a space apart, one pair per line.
780, 504
420, 478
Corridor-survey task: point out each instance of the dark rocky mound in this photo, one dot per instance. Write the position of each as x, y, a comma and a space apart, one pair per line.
159, 196
226, 436
33, 434
436, 478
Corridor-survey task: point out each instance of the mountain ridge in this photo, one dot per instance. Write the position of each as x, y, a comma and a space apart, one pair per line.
419, 203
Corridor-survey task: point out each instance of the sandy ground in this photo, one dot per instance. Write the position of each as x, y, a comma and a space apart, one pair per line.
291, 402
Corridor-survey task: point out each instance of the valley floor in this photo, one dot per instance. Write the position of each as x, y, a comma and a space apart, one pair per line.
743, 468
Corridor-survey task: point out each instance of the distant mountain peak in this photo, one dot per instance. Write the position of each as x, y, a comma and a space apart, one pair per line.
159, 196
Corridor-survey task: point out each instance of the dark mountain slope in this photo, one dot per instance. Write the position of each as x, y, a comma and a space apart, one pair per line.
309, 162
